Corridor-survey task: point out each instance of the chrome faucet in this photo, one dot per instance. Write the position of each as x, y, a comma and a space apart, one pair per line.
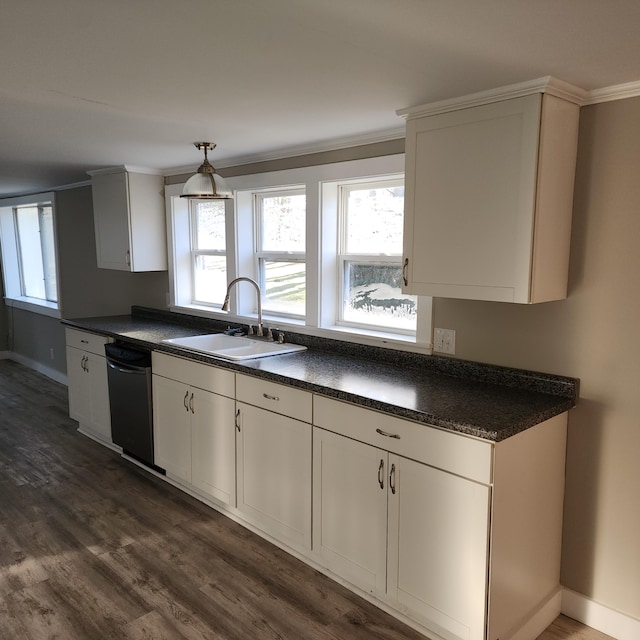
225, 304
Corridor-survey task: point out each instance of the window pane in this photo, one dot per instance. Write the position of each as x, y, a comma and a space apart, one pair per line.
31, 266
209, 224
374, 220
373, 296
284, 287
209, 279
283, 222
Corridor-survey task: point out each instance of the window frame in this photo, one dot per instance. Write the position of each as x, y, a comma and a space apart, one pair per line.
14, 293
262, 255
320, 182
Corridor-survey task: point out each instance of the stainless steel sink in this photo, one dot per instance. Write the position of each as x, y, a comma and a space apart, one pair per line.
233, 347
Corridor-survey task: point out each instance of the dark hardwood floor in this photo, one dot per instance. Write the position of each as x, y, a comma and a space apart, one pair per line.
93, 547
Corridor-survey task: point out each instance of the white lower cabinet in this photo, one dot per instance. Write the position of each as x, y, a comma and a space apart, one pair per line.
406, 532
274, 460
461, 535
194, 437
87, 383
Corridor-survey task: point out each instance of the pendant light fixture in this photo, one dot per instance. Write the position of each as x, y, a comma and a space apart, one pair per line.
206, 184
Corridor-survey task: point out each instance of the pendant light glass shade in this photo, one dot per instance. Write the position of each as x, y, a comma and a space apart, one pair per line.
206, 184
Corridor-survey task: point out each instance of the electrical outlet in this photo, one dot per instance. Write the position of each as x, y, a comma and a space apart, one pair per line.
52, 353
444, 341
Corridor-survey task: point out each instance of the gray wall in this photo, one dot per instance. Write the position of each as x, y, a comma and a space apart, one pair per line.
86, 290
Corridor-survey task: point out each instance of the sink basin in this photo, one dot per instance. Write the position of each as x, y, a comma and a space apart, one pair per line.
233, 347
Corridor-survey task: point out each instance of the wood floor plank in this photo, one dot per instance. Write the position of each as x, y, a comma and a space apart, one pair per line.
45, 614
565, 628
93, 547
152, 626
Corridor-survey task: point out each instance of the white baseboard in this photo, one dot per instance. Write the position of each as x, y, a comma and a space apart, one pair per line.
54, 374
614, 623
548, 611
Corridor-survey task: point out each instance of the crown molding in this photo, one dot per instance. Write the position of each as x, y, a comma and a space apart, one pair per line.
546, 84
73, 185
614, 92
300, 150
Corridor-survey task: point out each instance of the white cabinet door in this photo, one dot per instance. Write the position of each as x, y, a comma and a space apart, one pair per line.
274, 474
488, 200
172, 427
438, 548
213, 445
350, 509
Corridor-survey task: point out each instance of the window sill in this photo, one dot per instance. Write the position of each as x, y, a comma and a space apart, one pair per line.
34, 306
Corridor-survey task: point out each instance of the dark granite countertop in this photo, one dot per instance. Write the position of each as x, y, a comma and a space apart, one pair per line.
489, 402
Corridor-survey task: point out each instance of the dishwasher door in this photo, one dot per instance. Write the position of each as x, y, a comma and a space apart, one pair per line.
129, 375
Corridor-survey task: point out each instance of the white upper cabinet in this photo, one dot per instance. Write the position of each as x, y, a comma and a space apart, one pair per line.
129, 216
489, 195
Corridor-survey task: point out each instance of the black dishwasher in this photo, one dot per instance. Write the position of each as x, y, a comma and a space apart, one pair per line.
129, 375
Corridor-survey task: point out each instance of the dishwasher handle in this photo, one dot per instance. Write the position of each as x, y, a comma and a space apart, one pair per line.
120, 368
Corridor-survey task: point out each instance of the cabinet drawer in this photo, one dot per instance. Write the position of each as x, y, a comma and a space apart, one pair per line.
86, 341
448, 451
288, 401
195, 374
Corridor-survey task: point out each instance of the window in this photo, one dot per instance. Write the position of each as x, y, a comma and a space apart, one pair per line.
323, 242
37, 253
208, 251
370, 256
280, 222
27, 235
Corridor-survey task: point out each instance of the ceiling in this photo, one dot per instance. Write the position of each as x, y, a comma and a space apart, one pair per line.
86, 84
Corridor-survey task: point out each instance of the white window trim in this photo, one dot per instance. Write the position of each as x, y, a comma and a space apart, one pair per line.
321, 242
11, 261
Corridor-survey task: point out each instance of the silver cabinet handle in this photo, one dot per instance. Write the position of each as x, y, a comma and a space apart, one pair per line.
238, 420
381, 474
191, 404
82, 363
84, 341
268, 397
386, 434
405, 268
392, 479
127, 257
86, 364
185, 400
